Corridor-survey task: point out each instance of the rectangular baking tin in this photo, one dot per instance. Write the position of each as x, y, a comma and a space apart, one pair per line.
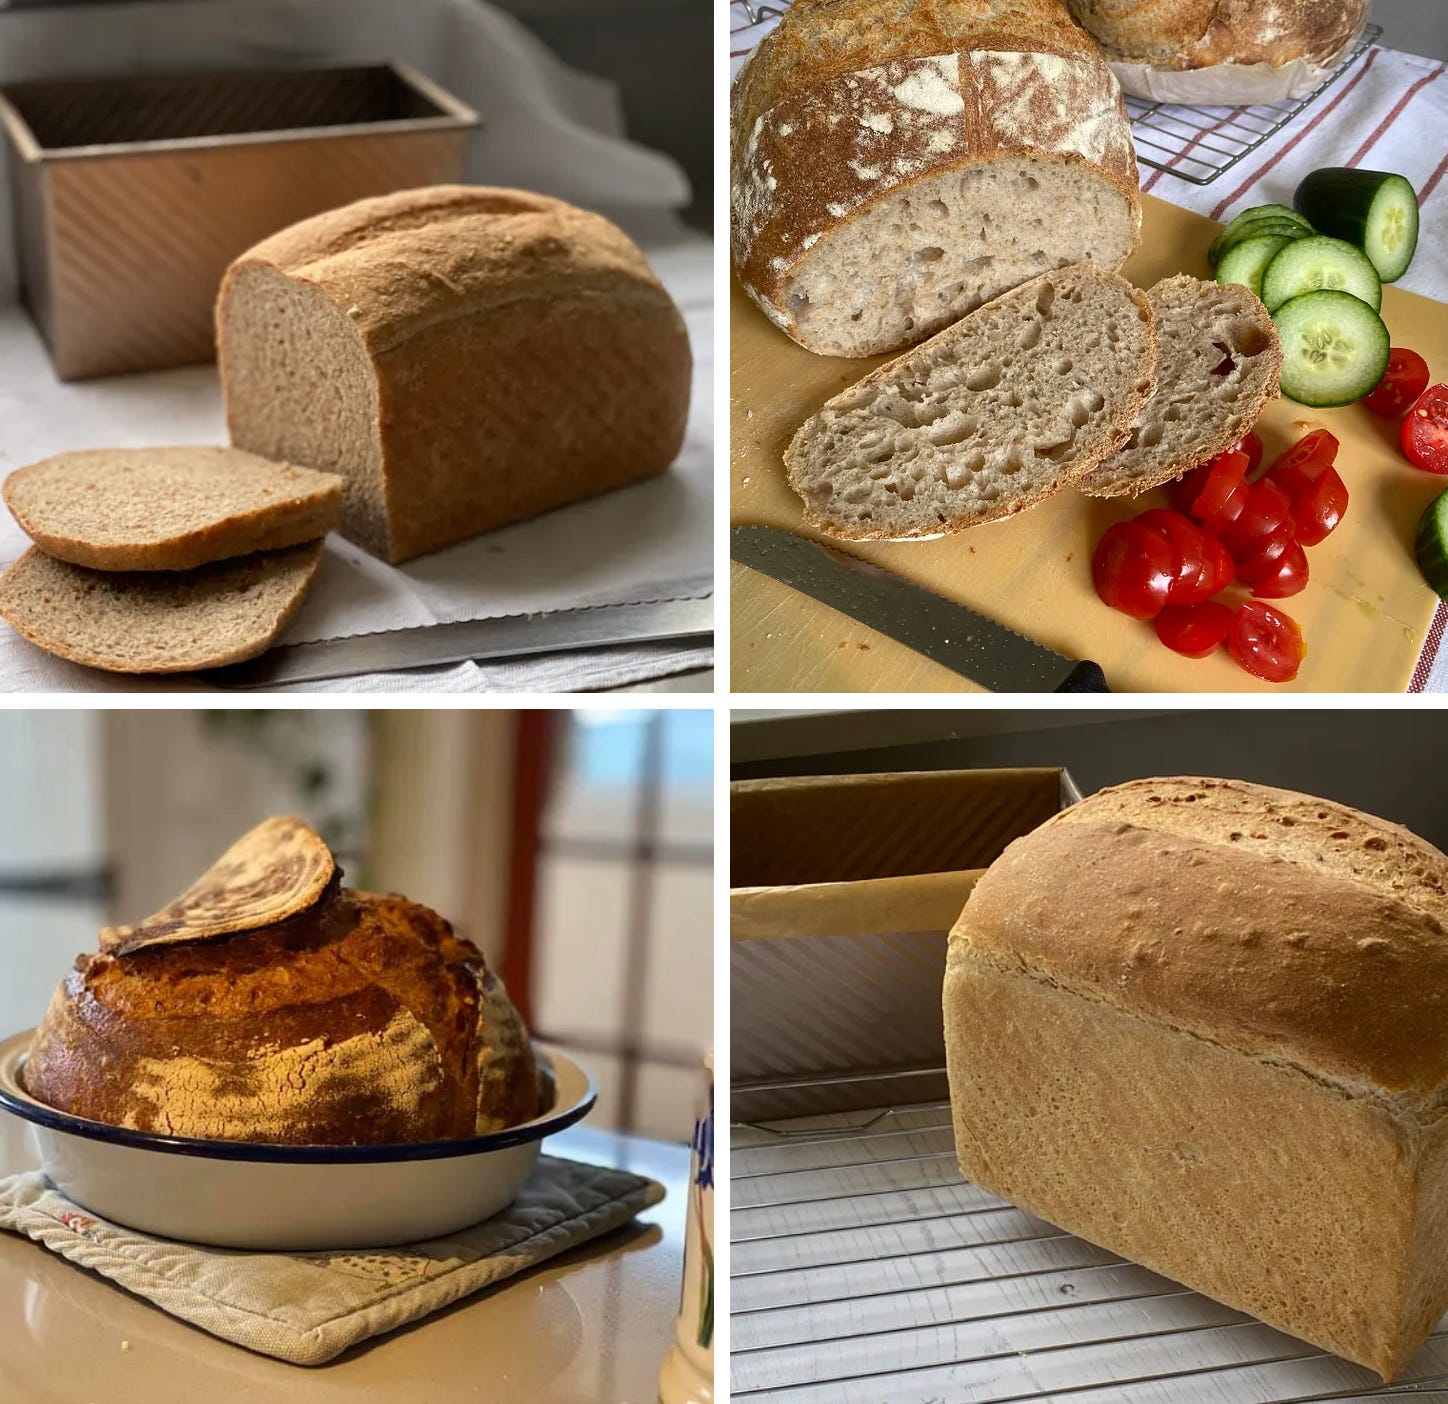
133, 194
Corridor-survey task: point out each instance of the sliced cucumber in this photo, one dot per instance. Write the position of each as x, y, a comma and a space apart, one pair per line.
1431, 546
1334, 347
1259, 229
1255, 215
1245, 262
1375, 211
1307, 265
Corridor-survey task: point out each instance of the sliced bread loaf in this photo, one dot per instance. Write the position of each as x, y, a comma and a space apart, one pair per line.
1218, 356
895, 165
169, 508
157, 622
1012, 403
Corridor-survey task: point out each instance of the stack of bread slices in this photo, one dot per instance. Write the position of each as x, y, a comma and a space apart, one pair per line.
164, 560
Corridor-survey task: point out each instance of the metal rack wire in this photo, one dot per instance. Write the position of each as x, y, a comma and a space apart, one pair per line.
1198, 144
864, 1270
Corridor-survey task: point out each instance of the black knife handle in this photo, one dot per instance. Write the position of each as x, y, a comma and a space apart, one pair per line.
1085, 677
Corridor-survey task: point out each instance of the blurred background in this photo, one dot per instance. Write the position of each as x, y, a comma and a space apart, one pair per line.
1378, 761
575, 848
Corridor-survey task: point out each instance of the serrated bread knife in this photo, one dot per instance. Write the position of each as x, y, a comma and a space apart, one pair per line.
947, 633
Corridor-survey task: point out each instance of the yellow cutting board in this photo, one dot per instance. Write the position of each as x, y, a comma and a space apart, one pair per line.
1364, 612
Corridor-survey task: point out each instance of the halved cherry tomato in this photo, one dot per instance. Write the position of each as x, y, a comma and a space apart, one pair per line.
1297, 468
1205, 490
1287, 577
1318, 511
1194, 630
1221, 520
1259, 563
1268, 509
1404, 380
1193, 574
1133, 569
1266, 642
1250, 444
1224, 568
1424, 434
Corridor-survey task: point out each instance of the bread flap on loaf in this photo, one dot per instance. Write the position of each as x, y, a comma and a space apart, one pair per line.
278, 869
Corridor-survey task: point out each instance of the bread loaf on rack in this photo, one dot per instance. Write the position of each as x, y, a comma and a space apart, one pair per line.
897, 163
1200, 1023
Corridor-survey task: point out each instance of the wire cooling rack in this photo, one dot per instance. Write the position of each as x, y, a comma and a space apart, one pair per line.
864, 1270
1198, 144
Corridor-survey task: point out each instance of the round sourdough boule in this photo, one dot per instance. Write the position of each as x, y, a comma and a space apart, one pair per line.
157, 621
169, 508
362, 1021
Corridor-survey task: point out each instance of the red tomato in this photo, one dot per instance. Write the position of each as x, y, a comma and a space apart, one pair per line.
1133, 569
1404, 380
1224, 568
1250, 444
1194, 630
1287, 577
1205, 490
1193, 574
1425, 431
1318, 511
1266, 642
1260, 562
1221, 520
1296, 469
1268, 510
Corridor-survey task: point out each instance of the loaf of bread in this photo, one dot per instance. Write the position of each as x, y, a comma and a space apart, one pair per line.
1201, 1024
463, 358
894, 164
357, 1020
1181, 34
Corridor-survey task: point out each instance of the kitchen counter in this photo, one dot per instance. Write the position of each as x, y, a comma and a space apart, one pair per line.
589, 1327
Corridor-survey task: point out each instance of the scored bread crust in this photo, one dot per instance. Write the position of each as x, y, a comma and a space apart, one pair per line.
157, 621
169, 508
1103, 439
1202, 328
362, 1020
481, 355
1187, 34
850, 102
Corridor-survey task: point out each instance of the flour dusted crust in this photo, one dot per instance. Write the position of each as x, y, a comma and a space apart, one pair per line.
814, 142
1187, 34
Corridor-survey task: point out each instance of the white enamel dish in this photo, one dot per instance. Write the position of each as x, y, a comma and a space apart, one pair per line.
235, 1194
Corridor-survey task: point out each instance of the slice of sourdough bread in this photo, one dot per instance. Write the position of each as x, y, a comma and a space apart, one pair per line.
169, 508
1218, 357
1011, 404
157, 622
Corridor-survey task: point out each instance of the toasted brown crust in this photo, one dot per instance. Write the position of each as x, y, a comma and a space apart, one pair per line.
507, 353
1272, 923
1185, 34
362, 1020
799, 170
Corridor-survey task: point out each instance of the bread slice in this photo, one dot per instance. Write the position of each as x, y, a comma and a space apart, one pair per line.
155, 622
1218, 357
169, 508
1012, 403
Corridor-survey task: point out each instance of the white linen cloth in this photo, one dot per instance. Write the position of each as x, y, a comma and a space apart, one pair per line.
545, 127
307, 1308
1388, 112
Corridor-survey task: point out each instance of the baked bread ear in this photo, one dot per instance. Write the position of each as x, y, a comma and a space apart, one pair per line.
169, 508
1217, 361
894, 166
1016, 401
278, 869
157, 621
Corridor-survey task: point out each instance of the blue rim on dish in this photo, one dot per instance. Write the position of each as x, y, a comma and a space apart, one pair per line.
28, 1109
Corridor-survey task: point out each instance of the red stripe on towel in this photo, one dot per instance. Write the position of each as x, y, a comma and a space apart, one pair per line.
1393, 116
1216, 126
1433, 180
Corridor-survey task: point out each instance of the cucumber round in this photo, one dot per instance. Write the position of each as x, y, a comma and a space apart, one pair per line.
1375, 211
1258, 229
1255, 215
1245, 263
1334, 347
1307, 265
1431, 546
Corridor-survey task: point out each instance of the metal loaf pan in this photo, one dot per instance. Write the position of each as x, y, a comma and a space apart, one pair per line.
843, 890
133, 194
